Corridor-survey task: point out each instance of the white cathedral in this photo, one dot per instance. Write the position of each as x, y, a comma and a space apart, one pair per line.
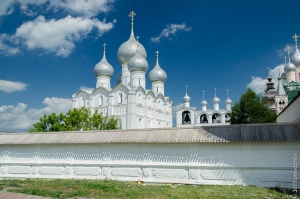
130, 101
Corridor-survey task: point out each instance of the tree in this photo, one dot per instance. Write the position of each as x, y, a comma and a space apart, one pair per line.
75, 120
250, 109
51, 122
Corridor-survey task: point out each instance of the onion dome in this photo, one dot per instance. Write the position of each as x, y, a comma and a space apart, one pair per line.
216, 100
203, 103
103, 68
186, 98
128, 49
295, 59
119, 79
138, 62
157, 73
289, 66
228, 100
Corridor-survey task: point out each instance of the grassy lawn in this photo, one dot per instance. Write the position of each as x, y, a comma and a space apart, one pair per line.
115, 189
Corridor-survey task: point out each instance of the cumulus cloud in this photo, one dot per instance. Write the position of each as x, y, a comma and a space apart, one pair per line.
11, 86
5, 46
57, 36
258, 84
284, 51
170, 31
21, 118
82, 7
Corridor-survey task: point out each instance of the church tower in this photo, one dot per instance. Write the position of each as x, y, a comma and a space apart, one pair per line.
203, 103
216, 101
158, 77
103, 71
290, 69
127, 50
281, 99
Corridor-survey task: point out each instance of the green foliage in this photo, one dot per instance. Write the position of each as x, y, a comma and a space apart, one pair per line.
251, 110
75, 120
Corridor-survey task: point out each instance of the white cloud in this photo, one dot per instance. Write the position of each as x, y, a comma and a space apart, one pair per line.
258, 84
284, 51
10, 86
20, 118
5, 46
57, 36
86, 8
170, 31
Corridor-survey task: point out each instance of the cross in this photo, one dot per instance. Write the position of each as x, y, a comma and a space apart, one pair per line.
157, 55
215, 92
186, 87
296, 38
203, 94
288, 47
227, 93
132, 14
137, 38
104, 46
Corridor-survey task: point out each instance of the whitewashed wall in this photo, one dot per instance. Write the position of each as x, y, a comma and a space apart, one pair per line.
263, 164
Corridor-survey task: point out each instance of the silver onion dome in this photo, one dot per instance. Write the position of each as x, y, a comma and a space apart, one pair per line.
216, 100
289, 67
103, 67
295, 59
203, 103
186, 98
228, 101
119, 79
157, 73
138, 62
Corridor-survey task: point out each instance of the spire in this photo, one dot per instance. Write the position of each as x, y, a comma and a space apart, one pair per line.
280, 90
186, 88
132, 15
295, 37
157, 56
203, 95
288, 47
104, 51
215, 92
285, 57
227, 91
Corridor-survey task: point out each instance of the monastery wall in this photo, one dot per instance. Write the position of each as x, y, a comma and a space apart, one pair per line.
268, 164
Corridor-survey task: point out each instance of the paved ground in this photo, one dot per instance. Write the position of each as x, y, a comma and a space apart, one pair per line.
9, 195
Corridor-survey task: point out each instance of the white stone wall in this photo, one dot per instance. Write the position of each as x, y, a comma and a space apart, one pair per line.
261, 164
291, 113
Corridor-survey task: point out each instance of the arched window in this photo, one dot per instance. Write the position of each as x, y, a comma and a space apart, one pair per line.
216, 118
203, 118
120, 98
186, 117
101, 100
227, 118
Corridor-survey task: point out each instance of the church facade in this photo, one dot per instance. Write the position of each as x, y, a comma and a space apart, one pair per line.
130, 101
191, 116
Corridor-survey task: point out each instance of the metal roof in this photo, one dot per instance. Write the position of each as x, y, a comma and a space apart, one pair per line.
207, 134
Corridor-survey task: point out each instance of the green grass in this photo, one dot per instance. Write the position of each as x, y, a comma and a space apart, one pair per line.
114, 189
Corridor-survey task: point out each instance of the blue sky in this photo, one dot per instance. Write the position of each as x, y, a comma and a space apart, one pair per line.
48, 49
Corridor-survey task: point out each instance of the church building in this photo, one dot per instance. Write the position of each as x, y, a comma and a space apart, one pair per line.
288, 83
191, 116
130, 101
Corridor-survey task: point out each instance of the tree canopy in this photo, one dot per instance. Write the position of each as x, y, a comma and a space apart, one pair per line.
75, 120
250, 109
